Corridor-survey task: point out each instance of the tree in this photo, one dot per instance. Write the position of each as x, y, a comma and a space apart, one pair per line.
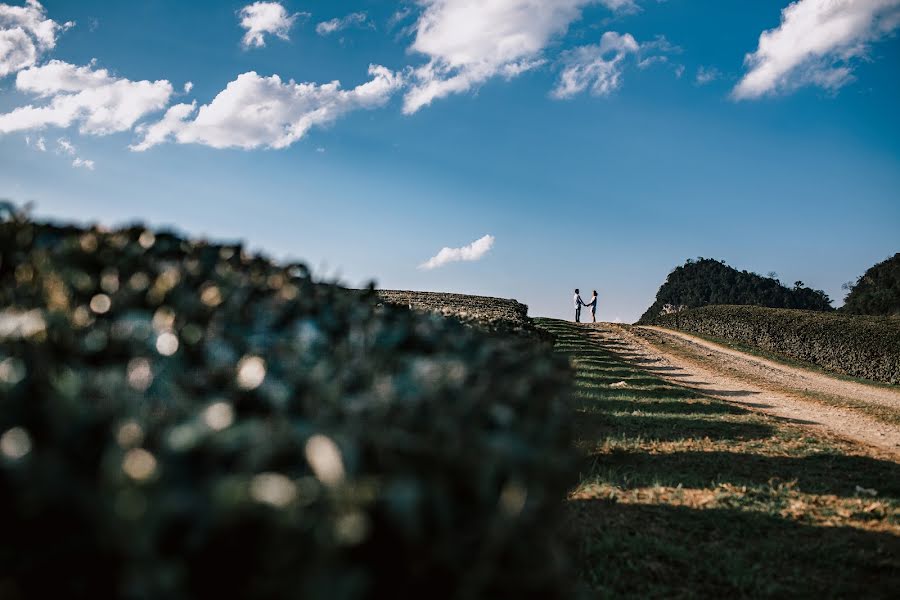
704, 282
877, 291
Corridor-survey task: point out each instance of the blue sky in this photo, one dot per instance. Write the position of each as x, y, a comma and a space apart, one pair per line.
598, 143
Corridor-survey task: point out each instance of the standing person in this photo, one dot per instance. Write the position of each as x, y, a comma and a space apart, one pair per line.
578, 304
593, 305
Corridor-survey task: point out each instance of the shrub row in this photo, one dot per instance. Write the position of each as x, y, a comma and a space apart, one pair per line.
182, 420
496, 314
867, 347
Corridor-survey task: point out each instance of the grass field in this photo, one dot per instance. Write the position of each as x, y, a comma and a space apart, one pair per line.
686, 496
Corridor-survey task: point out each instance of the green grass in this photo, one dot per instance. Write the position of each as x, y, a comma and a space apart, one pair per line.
879, 412
683, 496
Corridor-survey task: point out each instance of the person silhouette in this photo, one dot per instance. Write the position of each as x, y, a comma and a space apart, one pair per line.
578, 304
593, 305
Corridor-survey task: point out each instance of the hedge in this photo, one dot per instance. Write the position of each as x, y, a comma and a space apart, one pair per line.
867, 347
183, 420
497, 314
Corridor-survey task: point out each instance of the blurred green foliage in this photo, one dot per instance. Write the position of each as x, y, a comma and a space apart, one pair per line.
183, 420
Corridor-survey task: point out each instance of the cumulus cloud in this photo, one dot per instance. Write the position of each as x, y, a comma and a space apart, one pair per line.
596, 67
92, 98
171, 123
357, 19
474, 251
816, 44
254, 111
468, 42
265, 18
25, 34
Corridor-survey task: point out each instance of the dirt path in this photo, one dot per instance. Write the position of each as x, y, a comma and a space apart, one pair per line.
839, 407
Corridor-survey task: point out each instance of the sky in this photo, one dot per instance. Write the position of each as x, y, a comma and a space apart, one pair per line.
510, 148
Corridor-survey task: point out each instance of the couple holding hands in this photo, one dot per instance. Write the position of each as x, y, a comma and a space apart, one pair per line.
579, 303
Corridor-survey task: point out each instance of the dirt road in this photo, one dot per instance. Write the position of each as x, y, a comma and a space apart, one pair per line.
868, 414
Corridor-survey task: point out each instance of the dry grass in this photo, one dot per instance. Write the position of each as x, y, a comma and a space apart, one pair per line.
683, 496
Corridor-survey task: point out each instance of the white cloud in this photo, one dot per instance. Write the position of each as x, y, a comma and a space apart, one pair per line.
25, 34
97, 101
157, 133
262, 18
621, 5
706, 75
468, 42
188, 87
64, 146
399, 16
598, 67
645, 63
38, 143
254, 111
474, 251
80, 163
816, 44
357, 19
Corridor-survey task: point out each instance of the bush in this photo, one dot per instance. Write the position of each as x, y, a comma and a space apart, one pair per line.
182, 420
867, 347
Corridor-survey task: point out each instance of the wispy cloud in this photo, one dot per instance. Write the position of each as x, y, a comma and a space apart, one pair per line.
82, 163
816, 44
37, 143
357, 19
706, 75
597, 67
65, 147
474, 251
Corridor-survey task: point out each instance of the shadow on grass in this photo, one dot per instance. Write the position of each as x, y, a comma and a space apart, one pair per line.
664, 551
668, 428
657, 548
672, 407
824, 473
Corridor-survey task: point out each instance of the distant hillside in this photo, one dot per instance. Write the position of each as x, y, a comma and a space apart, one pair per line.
877, 292
705, 282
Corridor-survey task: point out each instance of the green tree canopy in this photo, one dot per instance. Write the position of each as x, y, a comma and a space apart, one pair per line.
877, 292
706, 281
